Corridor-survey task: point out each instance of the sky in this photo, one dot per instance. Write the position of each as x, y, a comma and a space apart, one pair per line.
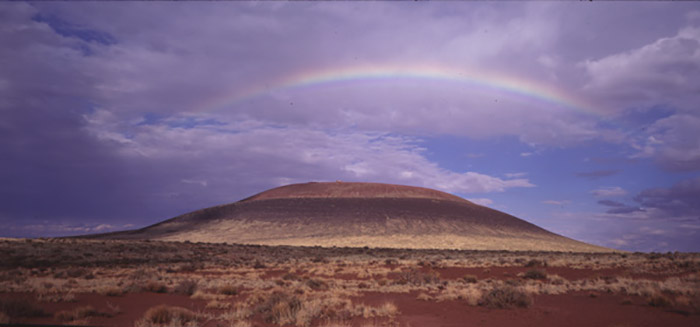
582, 118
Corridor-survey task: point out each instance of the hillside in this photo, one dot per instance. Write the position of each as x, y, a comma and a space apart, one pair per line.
358, 214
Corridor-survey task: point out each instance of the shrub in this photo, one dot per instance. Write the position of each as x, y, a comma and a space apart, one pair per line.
536, 263
505, 297
55, 296
187, 287
228, 290
111, 291
76, 272
469, 279
4, 319
387, 309
316, 284
417, 277
660, 301
290, 276
155, 287
279, 308
535, 274
20, 308
76, 314
165, 315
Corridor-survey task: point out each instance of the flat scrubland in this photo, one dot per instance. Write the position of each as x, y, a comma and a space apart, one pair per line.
142, 283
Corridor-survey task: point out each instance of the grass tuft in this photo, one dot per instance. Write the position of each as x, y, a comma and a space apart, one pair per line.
165, 315
187, 287
15, 308
535, 274
505, 297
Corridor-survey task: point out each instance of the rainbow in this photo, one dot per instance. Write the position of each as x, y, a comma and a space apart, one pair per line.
473, 78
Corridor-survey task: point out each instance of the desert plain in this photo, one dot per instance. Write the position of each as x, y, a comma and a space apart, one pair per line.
164, 283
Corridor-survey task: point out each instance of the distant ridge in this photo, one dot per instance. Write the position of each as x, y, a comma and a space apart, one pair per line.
358, 214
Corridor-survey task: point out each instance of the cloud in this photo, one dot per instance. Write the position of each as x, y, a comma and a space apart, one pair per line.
680, 201
610, 203
677, 203
556, 202
610, 191
482, 201
656, 73
295, 152
662, 74
673, 143
53, 229
593, 175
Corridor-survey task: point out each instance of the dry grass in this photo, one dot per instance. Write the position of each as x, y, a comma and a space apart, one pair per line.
228, 290
20, 308
505, 297
313, 286
54, 296
164, 315
187, 287
78, 315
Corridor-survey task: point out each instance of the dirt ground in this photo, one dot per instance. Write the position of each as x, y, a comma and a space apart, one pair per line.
136, 283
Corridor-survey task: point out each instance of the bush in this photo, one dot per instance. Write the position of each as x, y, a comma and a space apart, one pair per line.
290, 276
279, 308
505, 297
111, 291
155, 287
471, 279
417, 277
535, 274
165, 315
187, 287
536, 263
316, 284
660, 301
228, 290
20, 308
76, 314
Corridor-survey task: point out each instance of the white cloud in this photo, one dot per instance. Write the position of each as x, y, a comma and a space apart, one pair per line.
482, 201
673, 142
293, 152
556, 202
663, 72
203, 183
610, 191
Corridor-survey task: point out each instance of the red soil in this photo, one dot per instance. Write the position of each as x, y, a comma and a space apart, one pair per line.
503, 273
573, 309
570, 310
132, 306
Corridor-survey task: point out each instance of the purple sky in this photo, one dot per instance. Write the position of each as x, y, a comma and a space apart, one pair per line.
580, 117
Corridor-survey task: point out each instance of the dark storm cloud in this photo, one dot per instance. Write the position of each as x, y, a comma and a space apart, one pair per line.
678, 201
618, 207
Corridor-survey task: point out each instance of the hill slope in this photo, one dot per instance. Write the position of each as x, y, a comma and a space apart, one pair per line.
358, 214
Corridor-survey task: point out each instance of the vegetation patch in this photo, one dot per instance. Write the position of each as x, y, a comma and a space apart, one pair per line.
505, 297
165, 315
16, 308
